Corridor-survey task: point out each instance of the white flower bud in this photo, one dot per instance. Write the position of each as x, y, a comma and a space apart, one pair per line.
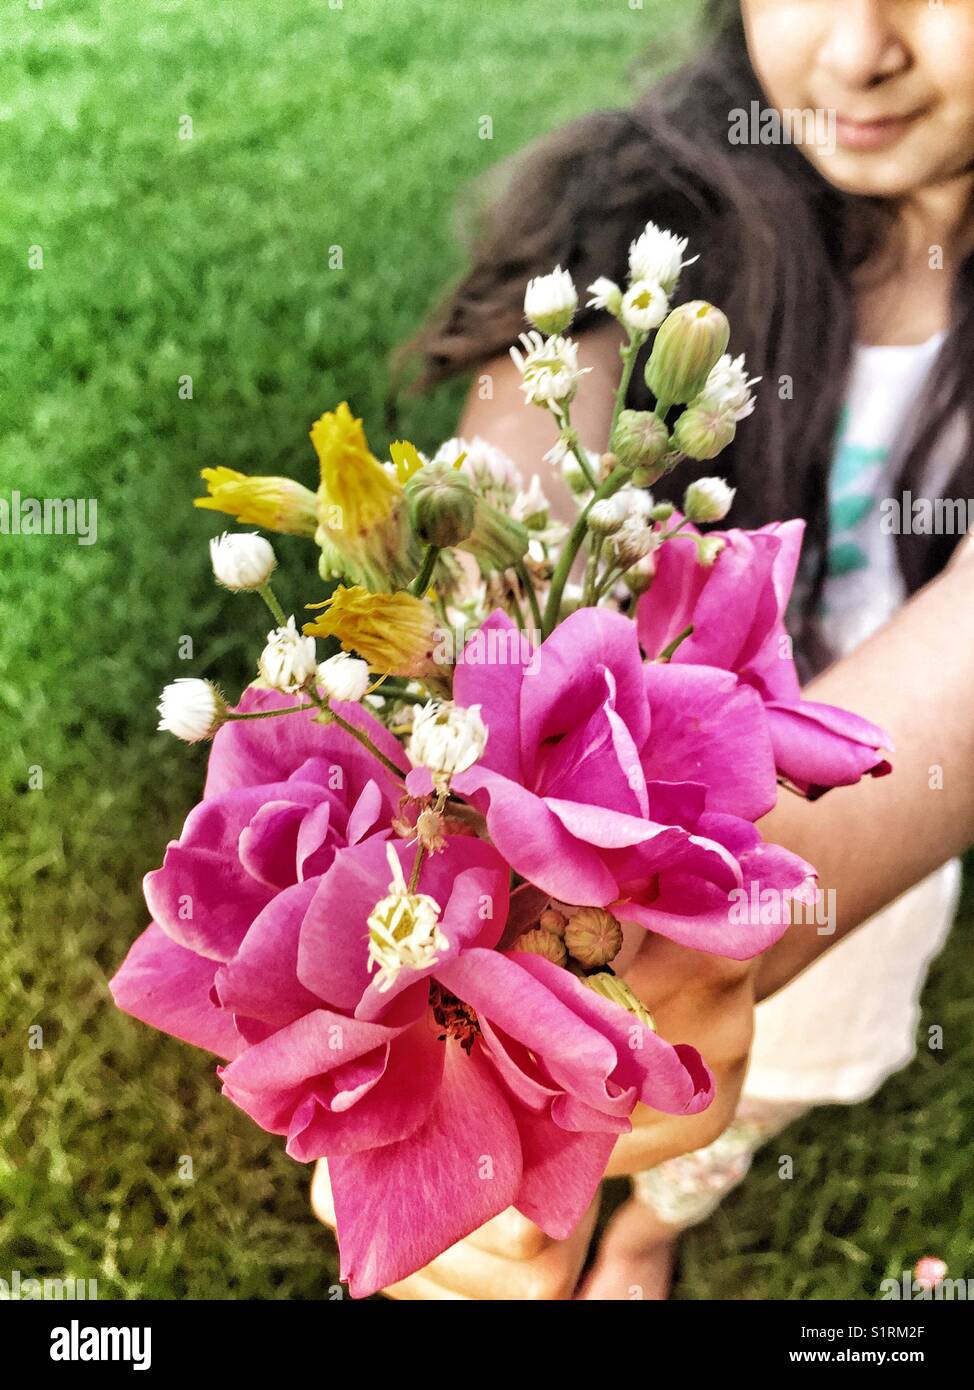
191, 709
447, 738
607, 515
288, 661
606, 294
644, 306
633, 542
708, 499
343, 677
708, 548
658, 255
531, 507
242, 559
550, 301
571, 471
728, 389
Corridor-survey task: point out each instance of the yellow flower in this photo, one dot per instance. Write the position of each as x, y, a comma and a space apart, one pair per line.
392, 632
362, 527
407, 458
277, 504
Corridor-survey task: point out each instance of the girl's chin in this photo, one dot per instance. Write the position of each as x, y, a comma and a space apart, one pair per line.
871, 175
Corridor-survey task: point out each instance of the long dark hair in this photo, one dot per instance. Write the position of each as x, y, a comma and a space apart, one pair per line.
780, 247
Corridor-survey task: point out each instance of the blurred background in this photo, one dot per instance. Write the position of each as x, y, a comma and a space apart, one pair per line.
186, 170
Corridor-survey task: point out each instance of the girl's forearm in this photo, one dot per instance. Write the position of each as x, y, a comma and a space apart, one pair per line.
873, 841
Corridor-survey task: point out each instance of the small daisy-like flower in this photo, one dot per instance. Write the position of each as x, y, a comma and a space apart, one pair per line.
644, 306
550, 301
531, 507
288, 661
447, 738
707, 499
658, 255
242, 560
191, 709
606, 294
343, 677
728, 388
549, 369
404, 931
607, 515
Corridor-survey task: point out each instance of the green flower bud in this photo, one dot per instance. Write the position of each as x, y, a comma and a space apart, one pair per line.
497, 541
442, 505
612, 988
690, 342
554, 921
662, 511
539, 942
702, 432
593, 936
639, 439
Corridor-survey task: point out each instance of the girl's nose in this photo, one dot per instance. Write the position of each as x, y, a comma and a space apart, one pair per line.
863, 45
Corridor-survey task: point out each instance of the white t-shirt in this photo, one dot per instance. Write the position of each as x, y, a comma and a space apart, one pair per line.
849, 1021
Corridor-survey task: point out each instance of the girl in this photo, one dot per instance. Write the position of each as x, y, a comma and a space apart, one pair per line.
845, 266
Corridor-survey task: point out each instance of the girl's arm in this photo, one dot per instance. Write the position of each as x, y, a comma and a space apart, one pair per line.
873, 841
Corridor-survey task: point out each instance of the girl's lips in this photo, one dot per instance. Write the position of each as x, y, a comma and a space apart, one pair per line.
870, 135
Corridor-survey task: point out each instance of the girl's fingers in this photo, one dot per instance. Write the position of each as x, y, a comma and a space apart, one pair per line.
550, 1275
419, 1289
510, 1234
322, 1203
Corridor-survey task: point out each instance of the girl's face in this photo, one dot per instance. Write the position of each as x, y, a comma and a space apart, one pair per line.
897, 74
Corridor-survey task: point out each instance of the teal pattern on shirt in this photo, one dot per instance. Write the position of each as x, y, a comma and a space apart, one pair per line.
853, 494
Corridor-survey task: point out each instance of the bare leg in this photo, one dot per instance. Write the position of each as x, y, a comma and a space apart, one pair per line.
635, 1257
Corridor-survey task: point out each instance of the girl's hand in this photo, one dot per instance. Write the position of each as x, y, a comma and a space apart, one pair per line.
694, 998
507, 1259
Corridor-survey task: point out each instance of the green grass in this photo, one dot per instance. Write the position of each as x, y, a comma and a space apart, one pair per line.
209, 257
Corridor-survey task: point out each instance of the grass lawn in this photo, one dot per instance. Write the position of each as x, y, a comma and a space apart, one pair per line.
163, 258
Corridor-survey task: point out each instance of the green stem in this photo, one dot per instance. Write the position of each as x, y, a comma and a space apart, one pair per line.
611, 577
518, 613
420, 851
270, 713
417, 865
667, 652
270, 598
570, 435
591, 572
422, 581
629, 352
576, 536
362, 737
522, 574
396, 692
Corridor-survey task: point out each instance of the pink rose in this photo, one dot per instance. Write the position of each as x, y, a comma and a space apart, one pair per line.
613, 783
737, 608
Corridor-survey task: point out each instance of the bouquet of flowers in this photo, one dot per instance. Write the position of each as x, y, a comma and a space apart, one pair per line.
395, 911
